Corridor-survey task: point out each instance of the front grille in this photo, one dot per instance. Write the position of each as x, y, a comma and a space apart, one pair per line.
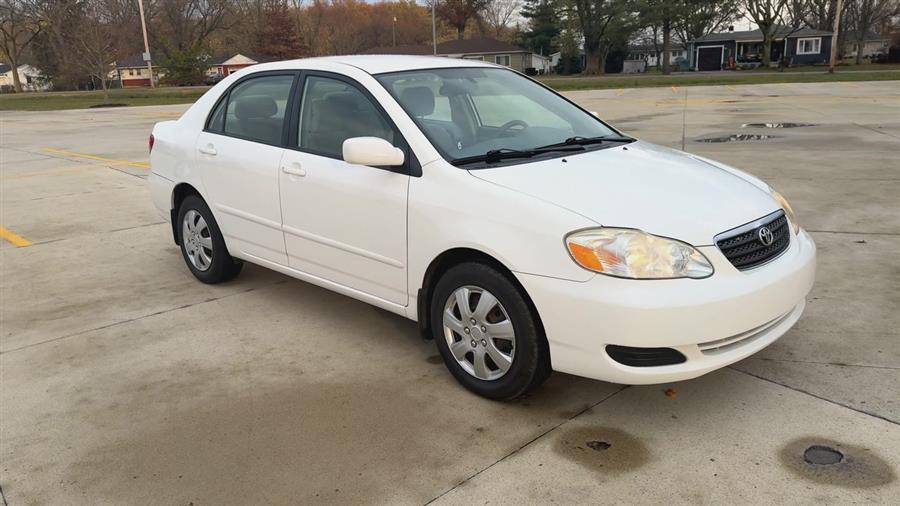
744, 247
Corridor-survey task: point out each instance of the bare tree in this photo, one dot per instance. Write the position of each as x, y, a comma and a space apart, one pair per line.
864, 15
185, 25
498, 14
820, 14
20, 24
93, 38
458, 13
595, 18
767, 14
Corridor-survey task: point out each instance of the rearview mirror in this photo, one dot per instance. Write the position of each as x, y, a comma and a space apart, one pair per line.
372, 151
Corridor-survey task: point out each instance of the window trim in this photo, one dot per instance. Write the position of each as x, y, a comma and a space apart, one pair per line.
803, 39
508, 59
226, 96
411, 165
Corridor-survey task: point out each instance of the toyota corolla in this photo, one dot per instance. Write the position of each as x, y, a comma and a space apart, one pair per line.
522, 232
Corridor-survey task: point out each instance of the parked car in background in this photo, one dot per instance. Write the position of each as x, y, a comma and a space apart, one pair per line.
520, 231
212, 79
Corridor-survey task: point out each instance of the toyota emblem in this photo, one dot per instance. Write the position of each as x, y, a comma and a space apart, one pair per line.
766, 236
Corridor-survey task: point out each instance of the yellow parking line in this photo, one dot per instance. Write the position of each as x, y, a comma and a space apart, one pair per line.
13, 238
730, 87
110, 161
674, 89
620, 92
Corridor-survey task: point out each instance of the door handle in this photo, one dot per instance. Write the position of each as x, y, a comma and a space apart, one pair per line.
209, 149
294, 169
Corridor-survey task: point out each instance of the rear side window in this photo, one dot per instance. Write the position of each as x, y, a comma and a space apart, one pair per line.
255, 110
333, 111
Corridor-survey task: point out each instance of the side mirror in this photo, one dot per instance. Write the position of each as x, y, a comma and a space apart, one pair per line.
372, 151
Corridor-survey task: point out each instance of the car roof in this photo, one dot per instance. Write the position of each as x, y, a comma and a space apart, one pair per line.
378, 64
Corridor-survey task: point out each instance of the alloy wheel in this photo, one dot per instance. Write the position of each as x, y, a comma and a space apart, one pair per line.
479, 333
197, 241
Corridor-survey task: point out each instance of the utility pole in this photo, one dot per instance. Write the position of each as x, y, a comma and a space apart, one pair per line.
433, 28
834, 36
146, 54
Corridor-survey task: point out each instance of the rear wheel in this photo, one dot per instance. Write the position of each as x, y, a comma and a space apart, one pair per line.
486, 333
202, 244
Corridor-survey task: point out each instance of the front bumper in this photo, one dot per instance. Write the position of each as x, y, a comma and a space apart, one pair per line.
713, 322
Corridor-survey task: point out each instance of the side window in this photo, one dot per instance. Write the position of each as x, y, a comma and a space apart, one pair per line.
332, 111
256, 108
217, 119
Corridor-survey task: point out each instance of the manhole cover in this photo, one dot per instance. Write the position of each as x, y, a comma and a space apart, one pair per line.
739, 138
822, 455
776, 125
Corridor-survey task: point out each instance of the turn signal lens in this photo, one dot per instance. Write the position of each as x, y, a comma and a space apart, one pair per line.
788, 210
630, 253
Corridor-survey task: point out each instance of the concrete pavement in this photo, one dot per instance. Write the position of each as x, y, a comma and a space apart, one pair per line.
124, 380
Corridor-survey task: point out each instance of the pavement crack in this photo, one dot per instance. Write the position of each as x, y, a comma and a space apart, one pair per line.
138, 318
876, 130
526, 445
830, 401
836, 364
3, 496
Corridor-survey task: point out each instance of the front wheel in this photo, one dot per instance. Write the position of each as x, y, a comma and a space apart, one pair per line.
202, 244
486, 333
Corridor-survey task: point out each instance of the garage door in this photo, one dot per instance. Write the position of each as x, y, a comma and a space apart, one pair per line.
709, 58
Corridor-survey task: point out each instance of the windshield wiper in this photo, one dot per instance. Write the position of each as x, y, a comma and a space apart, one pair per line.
498, 155
585, 141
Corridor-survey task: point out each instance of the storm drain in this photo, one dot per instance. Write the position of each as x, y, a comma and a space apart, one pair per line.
822, 455
776, 125
739, 138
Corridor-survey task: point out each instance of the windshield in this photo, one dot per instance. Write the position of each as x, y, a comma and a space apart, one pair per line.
467, 112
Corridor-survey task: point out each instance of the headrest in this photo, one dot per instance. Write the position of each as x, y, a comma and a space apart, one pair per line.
255, 107
342, 102
419, 100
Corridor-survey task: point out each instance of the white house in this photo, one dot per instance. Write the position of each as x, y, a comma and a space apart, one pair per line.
31, 78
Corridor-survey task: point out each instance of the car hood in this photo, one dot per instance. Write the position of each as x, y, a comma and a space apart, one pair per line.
644, 186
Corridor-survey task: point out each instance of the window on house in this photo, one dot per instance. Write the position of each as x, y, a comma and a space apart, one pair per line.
131, 72
809, 46
502, 59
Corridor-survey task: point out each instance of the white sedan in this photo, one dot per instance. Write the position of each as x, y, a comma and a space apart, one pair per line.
520, 231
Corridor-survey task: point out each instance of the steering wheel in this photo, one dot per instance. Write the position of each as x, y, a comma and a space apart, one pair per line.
509, 124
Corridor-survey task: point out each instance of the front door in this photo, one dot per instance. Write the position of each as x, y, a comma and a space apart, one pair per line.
344, 223
238, 155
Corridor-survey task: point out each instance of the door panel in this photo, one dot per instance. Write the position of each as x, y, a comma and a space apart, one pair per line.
239, 158
346, 223
241, 181
342, 222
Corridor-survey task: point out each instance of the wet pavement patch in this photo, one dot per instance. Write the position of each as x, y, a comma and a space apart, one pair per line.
435, 359
739, 138
829, 462
605, 450
777, 125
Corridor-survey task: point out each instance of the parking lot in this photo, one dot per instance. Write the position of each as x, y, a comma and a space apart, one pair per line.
125, 380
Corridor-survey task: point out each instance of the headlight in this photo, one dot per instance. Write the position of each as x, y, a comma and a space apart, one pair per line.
788, 210
630, 253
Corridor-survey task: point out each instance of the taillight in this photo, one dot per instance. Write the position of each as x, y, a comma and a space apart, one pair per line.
151, 141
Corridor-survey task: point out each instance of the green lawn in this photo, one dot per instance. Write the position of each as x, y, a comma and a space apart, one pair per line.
58, 100
732, 78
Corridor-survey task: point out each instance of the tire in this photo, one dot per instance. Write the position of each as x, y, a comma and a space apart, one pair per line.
204, 248
474, 365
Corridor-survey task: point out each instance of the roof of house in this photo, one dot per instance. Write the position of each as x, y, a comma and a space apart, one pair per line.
137, 60
467, 46
754, 35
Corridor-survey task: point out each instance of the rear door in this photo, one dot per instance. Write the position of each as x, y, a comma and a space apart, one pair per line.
344, 223
239, 154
